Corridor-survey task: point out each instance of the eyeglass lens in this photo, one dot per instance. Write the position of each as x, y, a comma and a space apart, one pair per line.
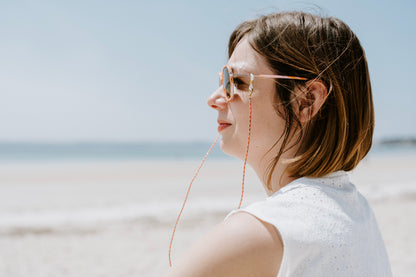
226, 82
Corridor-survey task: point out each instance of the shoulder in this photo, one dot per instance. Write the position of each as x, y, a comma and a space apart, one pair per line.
242, 245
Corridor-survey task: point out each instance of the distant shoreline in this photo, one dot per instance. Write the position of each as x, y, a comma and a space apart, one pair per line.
398, 141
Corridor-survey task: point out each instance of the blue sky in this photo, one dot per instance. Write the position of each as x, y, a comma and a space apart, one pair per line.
140, 71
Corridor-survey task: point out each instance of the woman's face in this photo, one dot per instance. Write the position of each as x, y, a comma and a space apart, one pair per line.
233, 117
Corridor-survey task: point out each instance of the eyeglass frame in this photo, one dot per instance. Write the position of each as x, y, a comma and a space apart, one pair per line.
252, 76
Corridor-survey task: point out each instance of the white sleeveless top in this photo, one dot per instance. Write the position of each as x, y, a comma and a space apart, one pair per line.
327, 228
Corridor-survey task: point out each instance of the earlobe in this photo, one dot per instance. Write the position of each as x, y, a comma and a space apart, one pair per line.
311, 101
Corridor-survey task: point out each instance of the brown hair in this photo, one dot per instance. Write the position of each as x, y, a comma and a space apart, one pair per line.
301, 44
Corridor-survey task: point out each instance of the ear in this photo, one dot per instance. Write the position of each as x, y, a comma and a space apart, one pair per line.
310, 100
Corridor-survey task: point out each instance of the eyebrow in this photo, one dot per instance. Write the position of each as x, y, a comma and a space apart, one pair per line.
240, 69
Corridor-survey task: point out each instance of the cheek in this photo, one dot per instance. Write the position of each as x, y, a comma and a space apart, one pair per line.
239, 112
267, 125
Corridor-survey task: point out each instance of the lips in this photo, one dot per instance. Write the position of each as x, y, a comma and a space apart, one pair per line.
222, 124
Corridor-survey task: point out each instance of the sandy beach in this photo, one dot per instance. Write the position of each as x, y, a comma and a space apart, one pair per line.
115, 218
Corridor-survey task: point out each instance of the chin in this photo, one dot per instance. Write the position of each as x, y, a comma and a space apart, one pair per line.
231, 148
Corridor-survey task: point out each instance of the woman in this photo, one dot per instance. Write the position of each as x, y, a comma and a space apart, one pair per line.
296, 89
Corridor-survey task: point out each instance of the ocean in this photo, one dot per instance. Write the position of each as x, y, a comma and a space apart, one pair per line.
23, 151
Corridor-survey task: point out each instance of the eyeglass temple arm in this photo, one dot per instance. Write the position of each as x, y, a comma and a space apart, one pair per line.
270, 76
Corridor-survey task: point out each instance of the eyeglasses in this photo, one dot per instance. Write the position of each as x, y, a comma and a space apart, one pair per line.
227, 80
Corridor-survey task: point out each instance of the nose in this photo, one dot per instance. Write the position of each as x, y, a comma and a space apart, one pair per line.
216, 100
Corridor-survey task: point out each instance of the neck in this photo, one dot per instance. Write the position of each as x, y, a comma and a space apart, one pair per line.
279, 177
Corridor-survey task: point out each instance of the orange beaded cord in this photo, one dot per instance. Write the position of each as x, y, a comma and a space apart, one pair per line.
186, 198
251, 89
245, 158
